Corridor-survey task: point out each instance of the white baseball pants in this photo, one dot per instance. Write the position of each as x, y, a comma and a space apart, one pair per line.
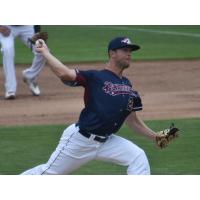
8, 52
75, 150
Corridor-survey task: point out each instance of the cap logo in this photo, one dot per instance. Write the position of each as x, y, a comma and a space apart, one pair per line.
126, 41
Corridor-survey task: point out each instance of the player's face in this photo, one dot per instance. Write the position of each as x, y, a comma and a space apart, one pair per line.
123, 57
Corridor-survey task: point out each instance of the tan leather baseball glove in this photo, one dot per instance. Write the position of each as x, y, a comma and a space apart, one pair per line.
39, 35
164, 137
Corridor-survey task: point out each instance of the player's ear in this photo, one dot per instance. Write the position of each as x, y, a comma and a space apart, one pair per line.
111, 53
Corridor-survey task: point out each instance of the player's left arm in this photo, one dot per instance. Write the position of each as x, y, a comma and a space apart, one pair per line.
137, 124
161, 138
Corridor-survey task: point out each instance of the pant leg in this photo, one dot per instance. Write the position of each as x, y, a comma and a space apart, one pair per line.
8, 53
123, 152
38, 62
73, 151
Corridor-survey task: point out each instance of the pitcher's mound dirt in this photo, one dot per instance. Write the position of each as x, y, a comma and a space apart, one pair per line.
169, 89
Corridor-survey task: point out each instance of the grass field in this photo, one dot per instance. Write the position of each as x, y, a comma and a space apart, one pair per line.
27, 146
89, 43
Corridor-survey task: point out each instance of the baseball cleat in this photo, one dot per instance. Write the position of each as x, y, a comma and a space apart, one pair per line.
10, 95
33, 86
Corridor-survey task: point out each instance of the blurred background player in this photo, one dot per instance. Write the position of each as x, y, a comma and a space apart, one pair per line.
8, 34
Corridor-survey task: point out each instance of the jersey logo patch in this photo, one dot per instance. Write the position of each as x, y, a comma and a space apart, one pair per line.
117, 89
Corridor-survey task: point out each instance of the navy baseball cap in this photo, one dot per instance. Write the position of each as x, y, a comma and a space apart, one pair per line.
122, 42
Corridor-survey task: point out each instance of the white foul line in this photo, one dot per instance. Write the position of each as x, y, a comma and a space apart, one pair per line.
157, 31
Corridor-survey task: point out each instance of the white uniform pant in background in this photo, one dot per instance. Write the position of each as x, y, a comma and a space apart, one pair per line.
8, 52
75, 150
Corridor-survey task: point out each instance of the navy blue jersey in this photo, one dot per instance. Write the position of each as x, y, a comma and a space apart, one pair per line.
108, 100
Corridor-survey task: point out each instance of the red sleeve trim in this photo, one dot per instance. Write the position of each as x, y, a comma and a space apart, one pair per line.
81, 80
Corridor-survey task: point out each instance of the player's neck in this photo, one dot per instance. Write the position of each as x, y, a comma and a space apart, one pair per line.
113, 68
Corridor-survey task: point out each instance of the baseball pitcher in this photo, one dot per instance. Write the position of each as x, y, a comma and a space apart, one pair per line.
110, 100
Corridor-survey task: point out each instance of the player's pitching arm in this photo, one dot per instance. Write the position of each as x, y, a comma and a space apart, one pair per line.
61, 71
135, 123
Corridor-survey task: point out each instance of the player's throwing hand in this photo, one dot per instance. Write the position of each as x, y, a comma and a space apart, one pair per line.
40, 45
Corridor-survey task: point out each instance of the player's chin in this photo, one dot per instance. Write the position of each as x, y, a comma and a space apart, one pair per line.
126, 65
123, 64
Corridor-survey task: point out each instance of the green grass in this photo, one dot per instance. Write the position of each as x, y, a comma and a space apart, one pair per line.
23, 147
89, 43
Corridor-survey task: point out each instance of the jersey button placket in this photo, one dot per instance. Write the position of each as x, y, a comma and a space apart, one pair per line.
123, 84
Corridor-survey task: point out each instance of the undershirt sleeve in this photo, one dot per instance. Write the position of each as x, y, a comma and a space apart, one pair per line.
82, 78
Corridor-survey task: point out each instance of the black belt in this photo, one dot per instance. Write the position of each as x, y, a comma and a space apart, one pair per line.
97, 138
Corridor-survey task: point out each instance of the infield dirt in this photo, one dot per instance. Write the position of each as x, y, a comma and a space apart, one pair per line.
169, 89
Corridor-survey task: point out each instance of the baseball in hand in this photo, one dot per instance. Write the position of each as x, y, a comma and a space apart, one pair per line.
39, 43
